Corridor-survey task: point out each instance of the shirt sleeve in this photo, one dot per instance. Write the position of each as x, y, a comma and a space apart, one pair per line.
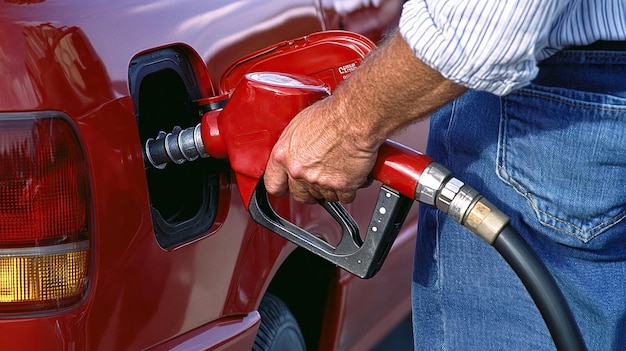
488, 45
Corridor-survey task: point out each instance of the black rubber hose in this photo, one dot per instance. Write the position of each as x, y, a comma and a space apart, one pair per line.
542, 288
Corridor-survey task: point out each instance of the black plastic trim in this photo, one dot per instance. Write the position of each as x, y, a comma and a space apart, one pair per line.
198, 204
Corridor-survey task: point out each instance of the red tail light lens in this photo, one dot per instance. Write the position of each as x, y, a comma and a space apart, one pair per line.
44, 213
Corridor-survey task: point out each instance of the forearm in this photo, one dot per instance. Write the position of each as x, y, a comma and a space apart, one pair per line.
390, 90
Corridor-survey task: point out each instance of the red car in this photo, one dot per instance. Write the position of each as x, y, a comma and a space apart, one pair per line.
99, 252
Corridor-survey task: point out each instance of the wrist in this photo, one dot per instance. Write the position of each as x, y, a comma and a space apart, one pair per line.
358, 119
390, 90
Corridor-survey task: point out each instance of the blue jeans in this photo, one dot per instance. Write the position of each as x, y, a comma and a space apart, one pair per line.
552, 156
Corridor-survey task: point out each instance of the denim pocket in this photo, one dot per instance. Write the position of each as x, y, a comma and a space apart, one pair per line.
565, 152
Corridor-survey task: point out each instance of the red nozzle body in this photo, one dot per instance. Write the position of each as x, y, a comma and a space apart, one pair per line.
258, 110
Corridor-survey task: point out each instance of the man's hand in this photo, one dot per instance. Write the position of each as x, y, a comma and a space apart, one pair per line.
319, 157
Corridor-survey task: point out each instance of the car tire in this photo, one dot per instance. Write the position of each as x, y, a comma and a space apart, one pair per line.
279, 330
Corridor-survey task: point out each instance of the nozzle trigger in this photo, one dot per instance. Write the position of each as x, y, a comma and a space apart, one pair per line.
363, 258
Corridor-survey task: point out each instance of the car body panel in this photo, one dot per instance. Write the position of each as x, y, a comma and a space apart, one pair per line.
72, 57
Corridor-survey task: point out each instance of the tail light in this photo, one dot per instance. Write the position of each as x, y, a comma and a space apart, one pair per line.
44, 213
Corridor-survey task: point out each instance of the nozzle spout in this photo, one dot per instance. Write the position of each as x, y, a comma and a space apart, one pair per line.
178, 146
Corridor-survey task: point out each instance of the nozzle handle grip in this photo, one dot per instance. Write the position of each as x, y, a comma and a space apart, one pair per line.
361, 257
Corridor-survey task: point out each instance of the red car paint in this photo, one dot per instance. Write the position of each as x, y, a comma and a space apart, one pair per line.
202, 294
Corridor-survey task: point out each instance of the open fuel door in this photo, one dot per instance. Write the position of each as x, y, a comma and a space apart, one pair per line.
328, 56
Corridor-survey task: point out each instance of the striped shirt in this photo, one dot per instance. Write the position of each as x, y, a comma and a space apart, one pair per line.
494, 45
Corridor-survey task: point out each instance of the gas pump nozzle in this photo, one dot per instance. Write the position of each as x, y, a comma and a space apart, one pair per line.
249, 125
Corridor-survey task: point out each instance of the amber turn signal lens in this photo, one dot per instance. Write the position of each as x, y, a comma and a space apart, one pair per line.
41, 276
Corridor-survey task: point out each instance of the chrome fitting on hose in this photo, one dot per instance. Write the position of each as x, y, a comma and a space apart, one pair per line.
460, 202
178, 146
433, 176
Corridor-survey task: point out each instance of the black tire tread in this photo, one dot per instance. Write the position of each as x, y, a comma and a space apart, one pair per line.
275, 316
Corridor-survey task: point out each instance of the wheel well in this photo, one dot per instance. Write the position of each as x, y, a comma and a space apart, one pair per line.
303, 282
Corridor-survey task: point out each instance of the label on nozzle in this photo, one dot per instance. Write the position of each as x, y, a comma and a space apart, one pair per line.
286, 80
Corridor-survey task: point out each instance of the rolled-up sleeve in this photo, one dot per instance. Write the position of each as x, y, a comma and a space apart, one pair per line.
488, 45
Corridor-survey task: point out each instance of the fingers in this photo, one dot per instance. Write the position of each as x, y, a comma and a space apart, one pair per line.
276, 179
283, 177
279, 183
346, 197
305, 192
